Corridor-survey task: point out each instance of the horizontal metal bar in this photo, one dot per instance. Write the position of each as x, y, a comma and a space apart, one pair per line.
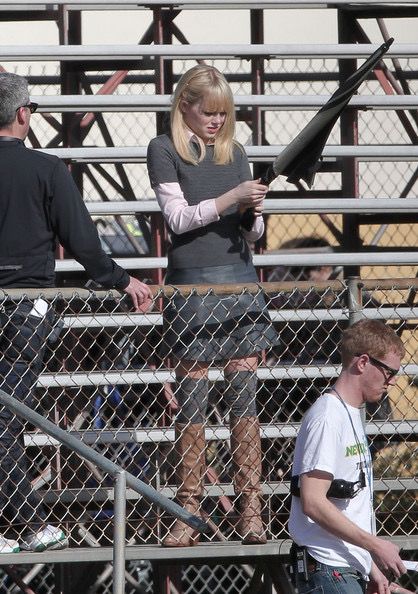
377, 152
136, 103
283, 488
116, 320
119, 320
69, 293
222, 433
155, 436
199, 4
207, 553
277, 206
138, 154
404, 427
341, 205
206, 3
396, 313
161, 376
86, 53
100, 494
332, 259
148, 376
127, 263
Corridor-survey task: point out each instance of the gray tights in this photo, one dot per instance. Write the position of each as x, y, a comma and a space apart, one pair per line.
192, 396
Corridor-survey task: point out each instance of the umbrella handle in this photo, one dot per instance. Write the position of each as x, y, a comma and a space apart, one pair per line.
268, 176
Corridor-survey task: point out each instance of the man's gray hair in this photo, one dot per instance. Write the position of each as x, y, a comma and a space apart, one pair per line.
14, 93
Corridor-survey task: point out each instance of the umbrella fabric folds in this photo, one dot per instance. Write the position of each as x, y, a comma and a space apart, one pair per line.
301, 158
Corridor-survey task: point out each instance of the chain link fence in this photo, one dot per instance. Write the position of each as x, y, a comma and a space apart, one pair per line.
106, 375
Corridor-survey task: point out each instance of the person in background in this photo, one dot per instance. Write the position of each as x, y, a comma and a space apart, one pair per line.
39, 206
317, 341
204, 187
308, 341
332, 521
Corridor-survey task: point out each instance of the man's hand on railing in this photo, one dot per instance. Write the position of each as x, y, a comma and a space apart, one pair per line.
140, 293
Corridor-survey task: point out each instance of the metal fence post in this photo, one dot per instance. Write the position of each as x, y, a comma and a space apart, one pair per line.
119, 533
355, 300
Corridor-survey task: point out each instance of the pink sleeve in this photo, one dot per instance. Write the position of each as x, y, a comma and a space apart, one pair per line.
179, 215
256, 232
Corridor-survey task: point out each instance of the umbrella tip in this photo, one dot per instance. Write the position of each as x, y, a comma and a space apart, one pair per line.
389, 42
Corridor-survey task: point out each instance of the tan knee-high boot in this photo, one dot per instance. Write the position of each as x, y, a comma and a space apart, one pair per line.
190, 471
246, 458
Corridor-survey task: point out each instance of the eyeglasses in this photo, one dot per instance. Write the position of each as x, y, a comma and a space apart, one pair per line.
390, 371
31, 106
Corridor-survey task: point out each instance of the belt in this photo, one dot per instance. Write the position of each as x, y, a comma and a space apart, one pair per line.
314, 565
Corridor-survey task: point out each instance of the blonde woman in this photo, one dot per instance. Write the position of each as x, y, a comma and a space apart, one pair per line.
203, 184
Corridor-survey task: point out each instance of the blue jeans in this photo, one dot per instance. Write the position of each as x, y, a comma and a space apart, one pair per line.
326, 579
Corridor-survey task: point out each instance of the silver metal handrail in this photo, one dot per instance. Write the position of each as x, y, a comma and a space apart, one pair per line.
121, 477
137, 103
276, 206
138, 154
116, 52
201, 4
333, 259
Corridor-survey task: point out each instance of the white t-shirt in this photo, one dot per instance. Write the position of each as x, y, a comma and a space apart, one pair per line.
328, 442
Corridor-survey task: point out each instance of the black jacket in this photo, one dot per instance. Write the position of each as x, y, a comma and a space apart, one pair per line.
40, 205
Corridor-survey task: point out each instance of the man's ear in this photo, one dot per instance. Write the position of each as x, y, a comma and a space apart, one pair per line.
362, 361
21, 115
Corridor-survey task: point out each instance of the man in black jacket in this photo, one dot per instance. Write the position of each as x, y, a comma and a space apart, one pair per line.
40, 206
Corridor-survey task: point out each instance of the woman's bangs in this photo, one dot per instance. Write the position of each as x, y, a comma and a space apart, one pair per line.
216, 101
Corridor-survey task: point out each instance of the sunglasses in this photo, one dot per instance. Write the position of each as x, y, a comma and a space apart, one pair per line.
390, 371
31, 106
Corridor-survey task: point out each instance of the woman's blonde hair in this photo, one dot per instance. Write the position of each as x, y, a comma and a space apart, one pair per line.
206, 84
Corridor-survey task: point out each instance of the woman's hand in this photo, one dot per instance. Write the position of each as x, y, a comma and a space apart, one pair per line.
257, 210
249, 193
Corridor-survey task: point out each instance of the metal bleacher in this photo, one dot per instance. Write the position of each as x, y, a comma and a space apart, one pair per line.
81, 70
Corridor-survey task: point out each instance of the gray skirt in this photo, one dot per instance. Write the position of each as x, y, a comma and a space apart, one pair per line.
211, 327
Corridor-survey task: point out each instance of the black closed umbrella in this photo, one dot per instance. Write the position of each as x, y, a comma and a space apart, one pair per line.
301, 158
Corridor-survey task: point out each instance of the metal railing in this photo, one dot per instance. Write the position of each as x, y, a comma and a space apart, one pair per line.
121, 477
65, 53
153, 103
138, 154
206, 4
199, 4
333, 259
276, 206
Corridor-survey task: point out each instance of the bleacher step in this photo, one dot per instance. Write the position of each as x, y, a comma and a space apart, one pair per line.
206, 553
201, 552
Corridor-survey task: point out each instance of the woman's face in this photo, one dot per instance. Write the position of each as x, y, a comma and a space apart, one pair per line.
203, 122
